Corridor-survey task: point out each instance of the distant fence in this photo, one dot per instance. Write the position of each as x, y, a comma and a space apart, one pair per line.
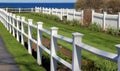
106, 20
71, 14
19, 10
17, 25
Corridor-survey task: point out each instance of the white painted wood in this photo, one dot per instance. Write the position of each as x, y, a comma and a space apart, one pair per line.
10, 22
69, 40
17, 32
19, 10
118, 20
92, 16
118, 48
61, 14
13, 20
74, 14
101, 53
29, 36
22, 30
76, 52
32, 9
104, 20
53, 62
39, 43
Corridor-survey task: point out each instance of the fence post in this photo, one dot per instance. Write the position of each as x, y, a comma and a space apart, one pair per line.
49, 10
67, 13
10, 22
18, 18
29, 36
74, 14
52, 11
22, 29
40, 9
118, 48
13, 21
19, 10
61, 14
31, 9
39, 43
92, 21
35, 9
6, 21
104, 18
76, 53
53, 62
82, 16
55, 11
119, 20
6, 9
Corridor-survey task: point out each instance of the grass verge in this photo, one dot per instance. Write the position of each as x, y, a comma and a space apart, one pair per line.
25, 61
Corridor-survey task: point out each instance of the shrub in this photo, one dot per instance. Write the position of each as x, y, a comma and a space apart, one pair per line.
110, 31
114, 32
48, 16
75, 22
106, 65
54, 17
95, 27
67, 22
72, 23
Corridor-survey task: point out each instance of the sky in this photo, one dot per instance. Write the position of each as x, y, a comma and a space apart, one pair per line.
36, 1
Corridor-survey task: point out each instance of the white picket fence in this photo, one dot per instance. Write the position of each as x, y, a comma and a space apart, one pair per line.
106, 20
16, 25
19, 10
71, 14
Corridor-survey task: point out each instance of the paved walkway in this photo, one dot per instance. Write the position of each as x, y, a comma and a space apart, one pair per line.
7, 62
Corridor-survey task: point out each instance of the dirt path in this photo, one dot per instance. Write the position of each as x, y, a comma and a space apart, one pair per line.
7, 62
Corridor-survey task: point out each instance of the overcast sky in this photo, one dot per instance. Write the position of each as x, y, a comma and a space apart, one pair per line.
38, 1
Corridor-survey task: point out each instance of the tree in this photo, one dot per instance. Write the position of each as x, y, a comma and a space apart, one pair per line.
89, 4
107, 5
114, 5
80, 4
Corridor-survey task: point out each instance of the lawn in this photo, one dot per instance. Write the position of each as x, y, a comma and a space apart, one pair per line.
99, 40
25, 61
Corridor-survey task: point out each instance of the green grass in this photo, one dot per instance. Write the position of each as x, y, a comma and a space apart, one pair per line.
97, 39
25, 61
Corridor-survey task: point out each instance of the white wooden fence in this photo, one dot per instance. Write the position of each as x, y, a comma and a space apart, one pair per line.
71, 14
16, 25
106, 20
19, 10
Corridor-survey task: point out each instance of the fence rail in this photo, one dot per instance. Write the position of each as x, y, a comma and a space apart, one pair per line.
106, 20
16, 25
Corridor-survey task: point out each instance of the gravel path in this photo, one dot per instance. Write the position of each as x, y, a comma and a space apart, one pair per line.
7, 62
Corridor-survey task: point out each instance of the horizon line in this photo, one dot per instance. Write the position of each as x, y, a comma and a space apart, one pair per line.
37, 2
